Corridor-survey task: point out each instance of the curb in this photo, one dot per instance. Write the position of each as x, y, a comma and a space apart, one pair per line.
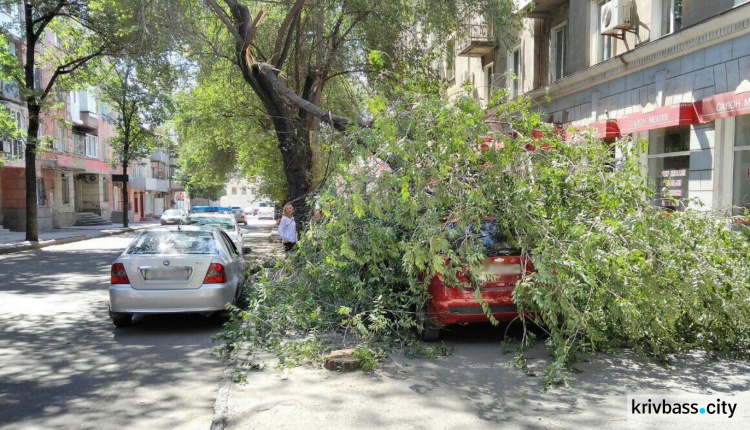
221, 405
38, 245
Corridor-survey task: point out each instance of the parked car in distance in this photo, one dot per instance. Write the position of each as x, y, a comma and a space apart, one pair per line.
172, 216
503, 268
175, 269
239, 215
266, 210
225, 222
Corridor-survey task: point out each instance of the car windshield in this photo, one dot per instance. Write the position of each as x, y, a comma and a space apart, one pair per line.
174, 242
172, 212
223, 223
494, 242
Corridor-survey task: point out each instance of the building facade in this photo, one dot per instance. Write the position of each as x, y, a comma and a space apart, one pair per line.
675, 73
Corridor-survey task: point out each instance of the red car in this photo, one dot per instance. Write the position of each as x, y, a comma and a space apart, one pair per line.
504, 266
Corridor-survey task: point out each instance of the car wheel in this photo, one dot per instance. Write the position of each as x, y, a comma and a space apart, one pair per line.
430, 330
121, 320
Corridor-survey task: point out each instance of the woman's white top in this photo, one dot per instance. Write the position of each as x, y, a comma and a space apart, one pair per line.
288, 229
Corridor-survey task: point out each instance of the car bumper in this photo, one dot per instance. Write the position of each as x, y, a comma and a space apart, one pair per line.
207, 298
170, 221
456, 305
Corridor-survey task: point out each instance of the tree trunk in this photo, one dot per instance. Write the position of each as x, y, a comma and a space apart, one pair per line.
125, 197
30, 173
293, 140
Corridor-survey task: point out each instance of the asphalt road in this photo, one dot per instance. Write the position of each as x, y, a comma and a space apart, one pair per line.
64, 365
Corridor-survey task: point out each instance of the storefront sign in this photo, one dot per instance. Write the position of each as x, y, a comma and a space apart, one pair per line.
667, 116
723, 106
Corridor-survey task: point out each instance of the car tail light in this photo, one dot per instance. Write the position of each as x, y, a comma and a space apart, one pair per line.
119, 276
216, 274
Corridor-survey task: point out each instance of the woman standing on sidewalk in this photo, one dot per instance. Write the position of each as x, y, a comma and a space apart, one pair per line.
288, 228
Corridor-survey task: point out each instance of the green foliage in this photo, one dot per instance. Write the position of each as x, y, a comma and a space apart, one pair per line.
612, 271
138, 94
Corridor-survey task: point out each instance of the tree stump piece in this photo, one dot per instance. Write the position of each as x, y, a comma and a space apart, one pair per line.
342, 360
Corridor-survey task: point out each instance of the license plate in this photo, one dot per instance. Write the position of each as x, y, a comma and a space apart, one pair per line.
502, 269
171, 274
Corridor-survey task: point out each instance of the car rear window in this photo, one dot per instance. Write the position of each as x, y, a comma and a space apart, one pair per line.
494, 242
172, 212
223, 223
174, 242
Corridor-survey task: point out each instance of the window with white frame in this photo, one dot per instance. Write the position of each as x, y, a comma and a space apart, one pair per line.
59, 143
92, 146
603, 43
671, 16
515, 71
559, 52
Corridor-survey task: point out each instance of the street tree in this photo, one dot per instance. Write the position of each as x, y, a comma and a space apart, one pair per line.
86, 30
289, 52
139, 95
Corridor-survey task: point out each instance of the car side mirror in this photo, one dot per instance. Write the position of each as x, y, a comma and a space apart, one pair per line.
247, 250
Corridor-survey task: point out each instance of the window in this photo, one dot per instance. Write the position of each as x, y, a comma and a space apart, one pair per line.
41, 192
603, 43
450, 61
489, 71
559, 54
243, 191
59, 143
37, 78
105, 189
741, 182
92, 146
65, 191
515, 78
79, 144
234, 191
671, 16
669, 166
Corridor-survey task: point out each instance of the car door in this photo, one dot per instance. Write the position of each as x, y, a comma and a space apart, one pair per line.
238, 263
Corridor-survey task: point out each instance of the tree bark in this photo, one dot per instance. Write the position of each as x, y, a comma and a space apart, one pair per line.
30, 173
125, 196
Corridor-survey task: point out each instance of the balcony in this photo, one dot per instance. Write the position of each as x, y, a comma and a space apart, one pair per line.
89, 123
160, 157
475, 41
542, 8
143, 183
175, 185
13, 152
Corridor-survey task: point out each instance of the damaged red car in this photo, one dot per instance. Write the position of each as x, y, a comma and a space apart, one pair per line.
502, 269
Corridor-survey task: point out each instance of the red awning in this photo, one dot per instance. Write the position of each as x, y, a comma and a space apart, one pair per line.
663, 117
723, 106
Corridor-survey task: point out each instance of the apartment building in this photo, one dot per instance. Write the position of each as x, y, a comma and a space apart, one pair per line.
673, 72
74, 169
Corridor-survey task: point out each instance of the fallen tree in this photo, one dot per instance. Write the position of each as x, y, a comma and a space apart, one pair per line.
612, 270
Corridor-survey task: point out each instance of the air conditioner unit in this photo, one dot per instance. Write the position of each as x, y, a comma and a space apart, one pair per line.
66, 176
616, 15
93, 178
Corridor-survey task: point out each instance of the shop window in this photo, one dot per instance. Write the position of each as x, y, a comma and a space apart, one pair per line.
669, 166
741, 180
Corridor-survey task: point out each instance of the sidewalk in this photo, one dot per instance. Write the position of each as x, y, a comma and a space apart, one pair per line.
14, 241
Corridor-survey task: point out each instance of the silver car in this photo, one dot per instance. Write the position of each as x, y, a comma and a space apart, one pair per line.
173, 216
225, 222
175, 269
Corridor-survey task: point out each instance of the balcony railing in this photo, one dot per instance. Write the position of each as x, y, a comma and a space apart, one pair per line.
476, 40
